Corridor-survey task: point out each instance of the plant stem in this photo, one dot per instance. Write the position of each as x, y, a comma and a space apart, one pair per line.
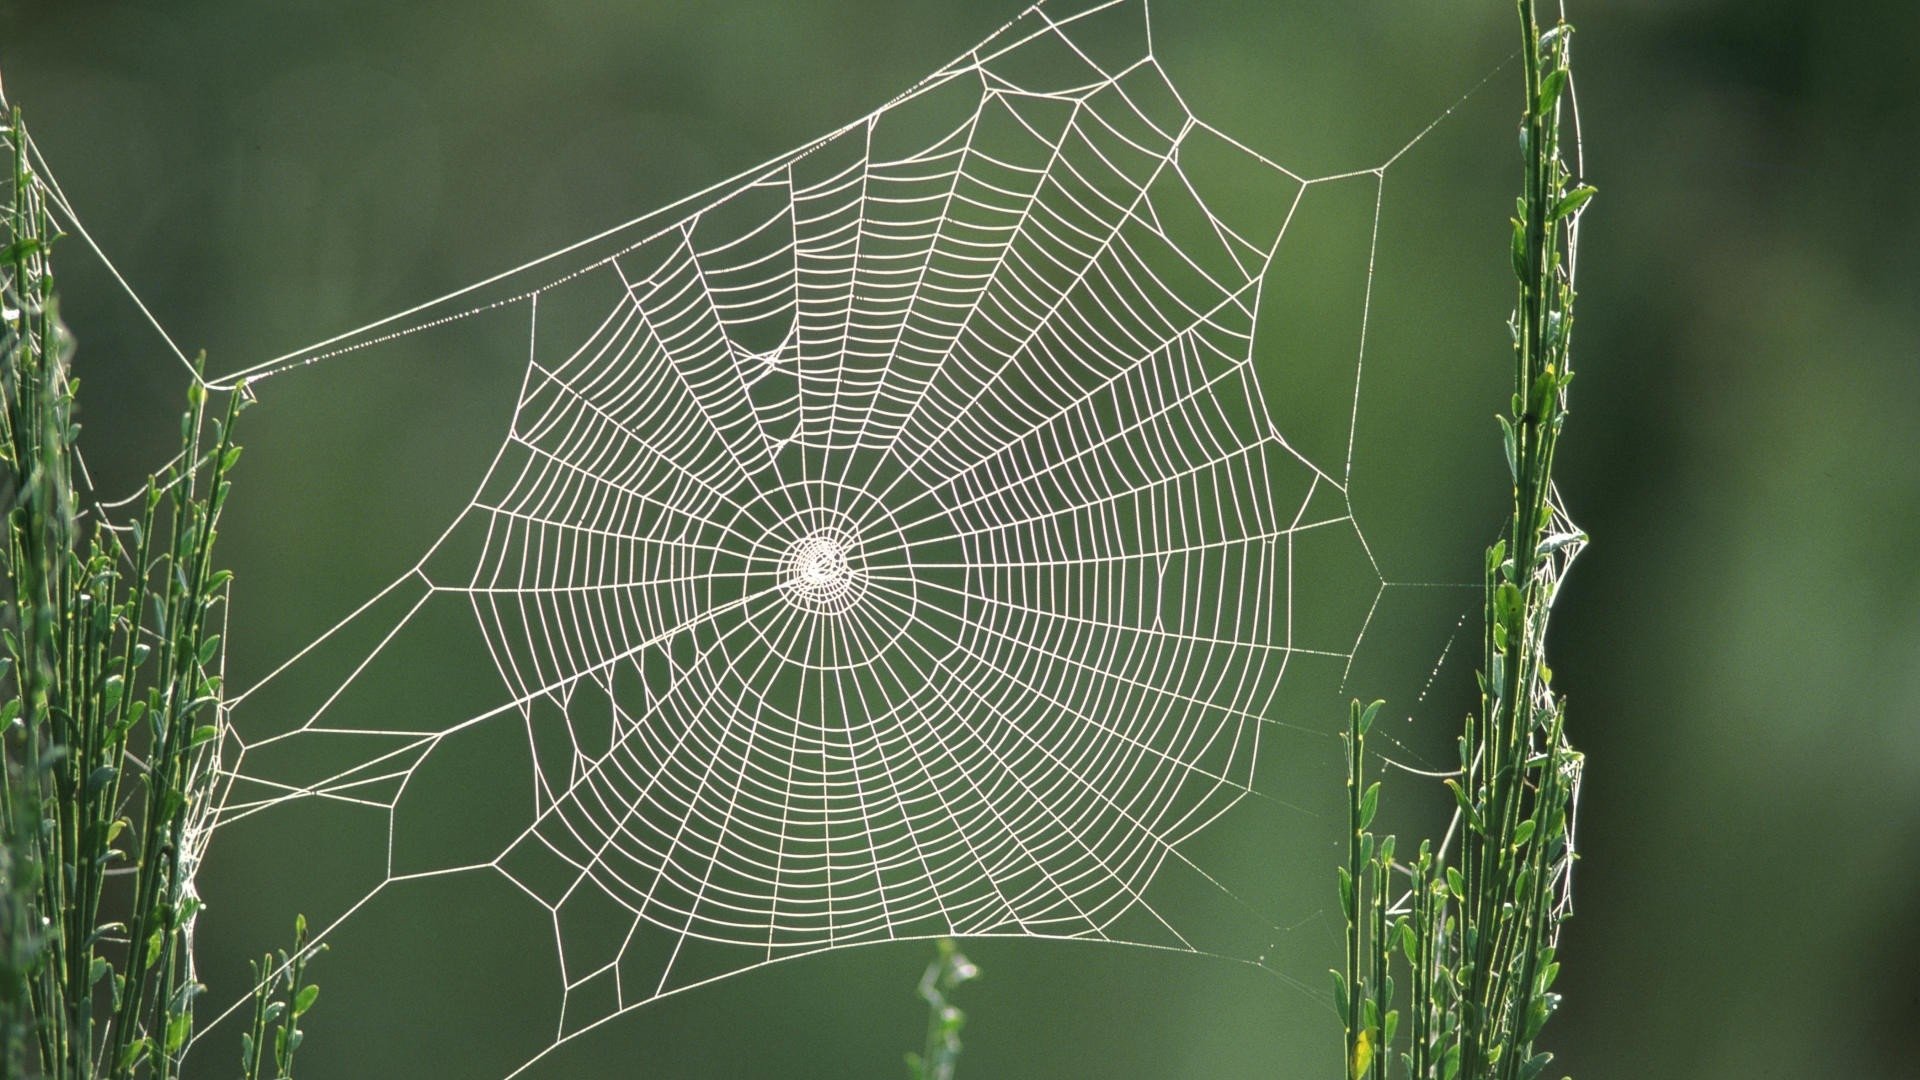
1478, 927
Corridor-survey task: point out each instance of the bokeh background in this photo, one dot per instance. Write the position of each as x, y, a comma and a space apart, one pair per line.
1741, 644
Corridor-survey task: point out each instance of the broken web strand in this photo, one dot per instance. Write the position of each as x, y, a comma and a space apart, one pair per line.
1035, 853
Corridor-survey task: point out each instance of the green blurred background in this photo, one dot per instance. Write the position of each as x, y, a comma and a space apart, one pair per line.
1740, 644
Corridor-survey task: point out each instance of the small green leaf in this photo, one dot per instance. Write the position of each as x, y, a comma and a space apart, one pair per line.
1369, 804
99, 778
135, 1052
205, 733
1538, 1012
1507, 601
1456, 884
177, 1029
1466, 805
1551, 88
1523, 832
304, 999
24, 248
1572, 201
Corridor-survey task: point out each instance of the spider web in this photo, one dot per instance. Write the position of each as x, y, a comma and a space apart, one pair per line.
892, 542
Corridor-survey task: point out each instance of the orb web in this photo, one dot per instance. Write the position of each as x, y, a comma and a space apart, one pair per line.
891, 542
941, 479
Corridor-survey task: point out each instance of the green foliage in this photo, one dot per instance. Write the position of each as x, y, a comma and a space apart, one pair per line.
281, 996
109, 697
1472, 925
950, 968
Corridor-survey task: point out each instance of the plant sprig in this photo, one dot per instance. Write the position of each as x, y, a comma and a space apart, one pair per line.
281, 997
1474, 927
939, 1059
110, 696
